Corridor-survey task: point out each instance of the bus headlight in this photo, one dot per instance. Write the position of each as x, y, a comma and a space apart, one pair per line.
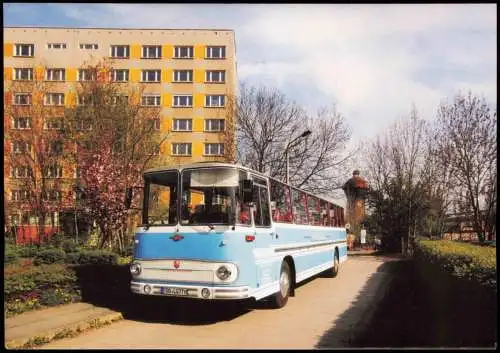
223, 273
135, 268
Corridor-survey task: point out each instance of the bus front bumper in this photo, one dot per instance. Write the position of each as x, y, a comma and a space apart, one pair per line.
189, 291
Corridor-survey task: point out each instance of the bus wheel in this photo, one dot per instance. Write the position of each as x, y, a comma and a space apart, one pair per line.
334, 271
280, 299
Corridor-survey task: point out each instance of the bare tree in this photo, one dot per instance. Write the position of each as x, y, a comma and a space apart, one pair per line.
267, 129
467, 145
117, 129
38, 148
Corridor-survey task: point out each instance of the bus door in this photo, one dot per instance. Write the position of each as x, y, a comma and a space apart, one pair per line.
265, 236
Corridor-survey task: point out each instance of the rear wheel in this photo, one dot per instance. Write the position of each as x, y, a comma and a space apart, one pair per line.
280, 298
334, 271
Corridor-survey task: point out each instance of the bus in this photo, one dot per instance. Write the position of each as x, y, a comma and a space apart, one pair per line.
213, 230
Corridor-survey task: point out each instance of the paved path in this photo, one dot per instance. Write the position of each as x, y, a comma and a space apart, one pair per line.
326, 312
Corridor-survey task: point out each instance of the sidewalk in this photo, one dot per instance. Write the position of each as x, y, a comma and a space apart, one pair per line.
359, 251
44, 325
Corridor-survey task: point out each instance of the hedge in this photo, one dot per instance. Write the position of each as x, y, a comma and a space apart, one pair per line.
462, 260
95, 257
50, 256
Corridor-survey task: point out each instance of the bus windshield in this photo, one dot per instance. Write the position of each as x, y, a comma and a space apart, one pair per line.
209, 196
160, 201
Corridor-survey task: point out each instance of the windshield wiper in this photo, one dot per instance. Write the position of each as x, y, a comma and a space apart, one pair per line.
211, 226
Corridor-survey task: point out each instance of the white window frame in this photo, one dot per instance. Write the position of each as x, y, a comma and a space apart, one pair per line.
210, 147
215, 76
155, 99
54, 123
16, 122
176, 100
116, 98
48, 193
86, 75
56, 46
210, 122
89, 46
156, 150
84, 100
145, 76
178, 50
113, 51
20, 195
55, 75
176, 125
178, 76
124, 72
17, 98
211, 49
20, 172
151, 52
53, 172
17, 149
81, 125
209, 99
182, 145
18, 74
18, 50
49, 99
157, 124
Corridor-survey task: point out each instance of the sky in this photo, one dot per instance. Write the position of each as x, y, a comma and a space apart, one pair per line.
372, 62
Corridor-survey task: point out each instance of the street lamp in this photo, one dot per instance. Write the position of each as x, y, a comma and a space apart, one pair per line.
290, 144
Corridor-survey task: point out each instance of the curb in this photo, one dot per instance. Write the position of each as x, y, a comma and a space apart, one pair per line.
64, 332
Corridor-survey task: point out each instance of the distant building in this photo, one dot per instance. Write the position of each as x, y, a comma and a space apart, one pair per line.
355, 189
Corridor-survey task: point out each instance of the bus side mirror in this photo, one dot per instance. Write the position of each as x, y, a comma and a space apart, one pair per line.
128, 197
247, 188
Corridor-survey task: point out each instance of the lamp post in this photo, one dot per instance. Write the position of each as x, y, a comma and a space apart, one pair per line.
290, 144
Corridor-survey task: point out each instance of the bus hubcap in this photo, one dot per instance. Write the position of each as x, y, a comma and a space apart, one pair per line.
284, 283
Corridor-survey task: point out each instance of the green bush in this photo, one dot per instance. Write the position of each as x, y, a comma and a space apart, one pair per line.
69, 246
97, 257
11, 255
462, 260
53, 297
28, 250
50, 256
56, 240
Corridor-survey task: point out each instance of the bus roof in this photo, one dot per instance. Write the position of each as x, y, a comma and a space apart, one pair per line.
222, 164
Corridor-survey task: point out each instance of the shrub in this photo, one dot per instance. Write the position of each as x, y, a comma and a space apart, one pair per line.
56, 240
53, 297
28, 251
69, 246
11, 255
462, 260
50, 256
97, 257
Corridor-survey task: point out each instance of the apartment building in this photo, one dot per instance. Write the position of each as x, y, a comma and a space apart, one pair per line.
190, 73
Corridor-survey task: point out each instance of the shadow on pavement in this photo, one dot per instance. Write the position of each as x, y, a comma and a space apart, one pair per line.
109, 286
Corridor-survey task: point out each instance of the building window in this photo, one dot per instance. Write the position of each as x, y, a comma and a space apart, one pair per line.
23, 74
214, 125
88, 46
56, 45
156, 151
84, 100
183, 75
20, 195
86, 75
52, 195
182, 124
214, 101
183, 100
55, 148
150, 100
215, 52
214, 149
53, 171
54, 99
21, 123
183, 52
155, 124
21, 172
24, 50
53, 124
151, 52
215, 76
119, 51
83, 125
150, 75
181, 149
119, 99
21, 147
119, 75
22, 99
55, 75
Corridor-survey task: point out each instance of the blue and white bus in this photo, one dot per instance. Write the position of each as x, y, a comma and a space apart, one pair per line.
223, 231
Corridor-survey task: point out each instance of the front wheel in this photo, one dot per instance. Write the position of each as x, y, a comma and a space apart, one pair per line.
280, 299
334, 271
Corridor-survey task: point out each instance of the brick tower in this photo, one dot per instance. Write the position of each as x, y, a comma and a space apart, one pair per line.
355, 190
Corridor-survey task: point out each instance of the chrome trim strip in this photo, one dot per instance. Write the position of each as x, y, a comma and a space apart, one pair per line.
194, 291
308, 246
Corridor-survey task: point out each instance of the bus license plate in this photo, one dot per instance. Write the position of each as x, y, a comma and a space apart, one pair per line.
182, 292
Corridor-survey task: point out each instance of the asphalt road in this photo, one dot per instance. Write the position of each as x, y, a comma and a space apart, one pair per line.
325, 312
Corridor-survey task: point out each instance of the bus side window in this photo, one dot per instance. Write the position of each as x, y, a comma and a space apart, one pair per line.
256, 209
264, 206
280, 195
